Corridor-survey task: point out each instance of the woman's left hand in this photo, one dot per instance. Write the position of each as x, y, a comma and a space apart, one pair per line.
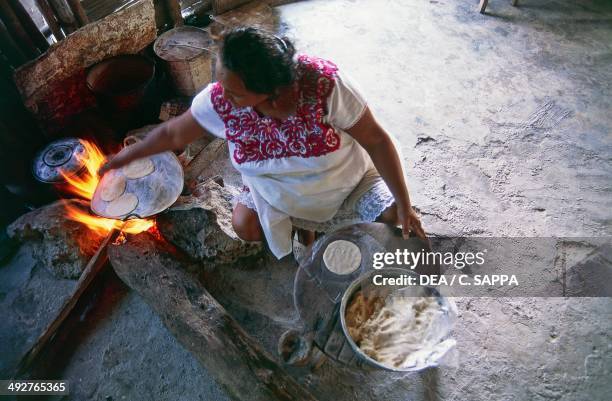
410, 222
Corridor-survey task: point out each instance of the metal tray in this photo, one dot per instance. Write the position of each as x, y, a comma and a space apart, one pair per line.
156, 192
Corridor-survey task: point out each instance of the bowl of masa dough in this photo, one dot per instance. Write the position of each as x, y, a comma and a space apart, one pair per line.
397, 328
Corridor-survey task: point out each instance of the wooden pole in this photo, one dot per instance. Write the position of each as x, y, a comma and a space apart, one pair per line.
94, 266
17, 31
174, 11
13, 52
78, 12
482, 6
222, 6
64, 15
47, 12
30, 27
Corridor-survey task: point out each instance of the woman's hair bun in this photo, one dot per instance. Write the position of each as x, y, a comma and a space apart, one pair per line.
263, 60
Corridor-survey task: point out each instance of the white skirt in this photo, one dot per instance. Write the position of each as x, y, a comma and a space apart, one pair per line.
364, 204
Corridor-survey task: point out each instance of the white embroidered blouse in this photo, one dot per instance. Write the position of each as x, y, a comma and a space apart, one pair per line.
304, 166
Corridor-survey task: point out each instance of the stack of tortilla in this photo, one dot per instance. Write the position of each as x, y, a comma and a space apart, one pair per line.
113, 187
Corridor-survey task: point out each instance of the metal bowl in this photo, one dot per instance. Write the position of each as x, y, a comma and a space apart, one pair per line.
364, 283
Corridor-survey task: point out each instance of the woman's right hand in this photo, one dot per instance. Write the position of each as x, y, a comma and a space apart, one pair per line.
174, 134
106, 166
120, 159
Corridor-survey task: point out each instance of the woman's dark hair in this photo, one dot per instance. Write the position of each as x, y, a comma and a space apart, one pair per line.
261, 59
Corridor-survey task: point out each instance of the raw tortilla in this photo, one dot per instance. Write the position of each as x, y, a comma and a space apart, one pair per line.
122, 205
342, 257
139, 168
112, 186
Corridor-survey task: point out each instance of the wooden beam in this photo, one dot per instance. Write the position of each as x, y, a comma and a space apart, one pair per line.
78, 12
47, 12
94, 266
64, 15
482, 6
30, 27
174, 11
10, 48
222, 6
17, 31
152, 268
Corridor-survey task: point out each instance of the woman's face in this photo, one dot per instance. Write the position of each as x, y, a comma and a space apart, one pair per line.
235, 91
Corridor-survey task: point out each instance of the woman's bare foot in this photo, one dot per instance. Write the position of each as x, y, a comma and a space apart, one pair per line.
305, 237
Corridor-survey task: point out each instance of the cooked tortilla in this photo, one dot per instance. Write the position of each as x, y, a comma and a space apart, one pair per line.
139, 168
122, 205
342, 257
112, 186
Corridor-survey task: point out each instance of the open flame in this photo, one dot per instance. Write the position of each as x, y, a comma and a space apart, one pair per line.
85, 186
103, 225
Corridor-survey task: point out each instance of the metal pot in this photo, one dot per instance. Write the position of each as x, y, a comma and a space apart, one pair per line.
119, 83
364, 283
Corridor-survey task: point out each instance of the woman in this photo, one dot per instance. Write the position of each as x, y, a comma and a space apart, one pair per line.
309, 150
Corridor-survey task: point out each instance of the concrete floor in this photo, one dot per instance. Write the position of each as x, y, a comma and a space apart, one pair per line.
502, 117
504, 121
120, 351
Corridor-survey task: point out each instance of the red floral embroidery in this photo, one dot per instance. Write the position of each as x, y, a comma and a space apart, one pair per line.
258, 138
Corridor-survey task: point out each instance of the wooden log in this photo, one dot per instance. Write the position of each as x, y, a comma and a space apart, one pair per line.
95, 265
200, 323
174, 11
30, 27
47, 12
17, 30
64, 15
78, 12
